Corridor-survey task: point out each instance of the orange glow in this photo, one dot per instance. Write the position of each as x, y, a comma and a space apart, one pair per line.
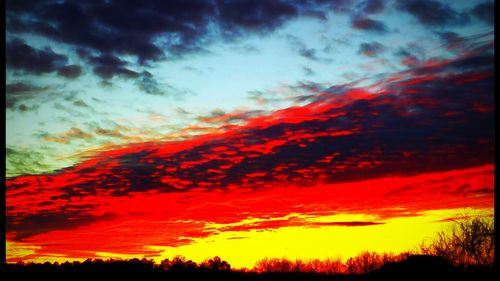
357, 169
247, 224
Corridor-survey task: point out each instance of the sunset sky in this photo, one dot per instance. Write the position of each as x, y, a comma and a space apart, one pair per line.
244, 129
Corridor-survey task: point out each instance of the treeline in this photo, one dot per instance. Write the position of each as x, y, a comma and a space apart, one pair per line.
135, 265
362, 263
366, 266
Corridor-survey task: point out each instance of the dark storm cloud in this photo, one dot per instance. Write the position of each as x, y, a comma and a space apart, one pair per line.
432, 13
368, 24
133, 27
70, 71
20, 55
102, 26
103, 32
156, 30
484, 12
371, 49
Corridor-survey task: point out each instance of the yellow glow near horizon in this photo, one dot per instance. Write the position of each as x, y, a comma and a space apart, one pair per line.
244, 249
18, 250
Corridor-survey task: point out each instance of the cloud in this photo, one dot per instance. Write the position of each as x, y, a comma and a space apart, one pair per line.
372, 6
410, 55
90, 25
404, 134
452, 41
105, 84
432, 13
70, 71
21, 88
479, 60
108, 132
80, 103
348, 223
339, 6
23, 161
67, 217
313, 13
148, 84
369, 25
302, 50
310, 53
153, 31
148, 30
237, 17
21, 91
293, 221
106, 72
21, 56
308, 71
162, 224
413, 124
106, 66
107, 60
25, 108
67, 136
218, 116
484, 12
372, 49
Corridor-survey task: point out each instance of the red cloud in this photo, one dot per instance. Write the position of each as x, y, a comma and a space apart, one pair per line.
423, 141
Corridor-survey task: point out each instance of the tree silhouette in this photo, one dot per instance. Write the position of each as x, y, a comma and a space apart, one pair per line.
364, 266
178, 264
216, 264
364, 262
327, 266
470, 241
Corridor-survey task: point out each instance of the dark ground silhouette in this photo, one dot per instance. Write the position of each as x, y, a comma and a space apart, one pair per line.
415, 267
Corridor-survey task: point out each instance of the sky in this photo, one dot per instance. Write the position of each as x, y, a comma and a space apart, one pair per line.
244, 129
